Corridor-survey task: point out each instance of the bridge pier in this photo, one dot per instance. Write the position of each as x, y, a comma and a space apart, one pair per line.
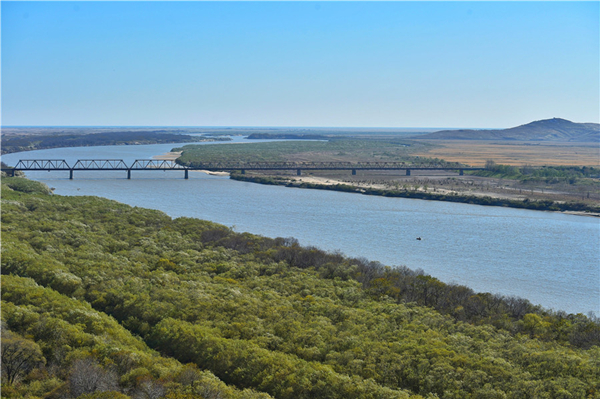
461, 172
186, 174
299, 172
70, 174
353, 172
128, 174
243, 171
407, 172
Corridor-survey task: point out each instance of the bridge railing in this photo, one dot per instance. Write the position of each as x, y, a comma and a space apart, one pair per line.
162, 164
100, 164
42, 164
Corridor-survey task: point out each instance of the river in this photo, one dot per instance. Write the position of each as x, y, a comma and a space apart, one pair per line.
550, 258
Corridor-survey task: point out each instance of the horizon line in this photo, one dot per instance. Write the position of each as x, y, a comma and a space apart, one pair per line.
227, 127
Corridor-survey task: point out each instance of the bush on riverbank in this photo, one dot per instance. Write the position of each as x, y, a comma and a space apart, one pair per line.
25, 185
546, 174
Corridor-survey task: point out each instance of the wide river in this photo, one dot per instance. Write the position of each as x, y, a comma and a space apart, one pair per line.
551, 259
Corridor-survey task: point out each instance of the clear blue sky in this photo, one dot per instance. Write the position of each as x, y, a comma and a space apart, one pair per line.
361, 64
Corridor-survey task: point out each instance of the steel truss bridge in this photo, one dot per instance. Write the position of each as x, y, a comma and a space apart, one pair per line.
162, 165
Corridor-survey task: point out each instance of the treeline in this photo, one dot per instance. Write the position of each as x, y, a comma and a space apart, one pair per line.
83, 277
546, 174
19, 143
346, 150
287, 136
538, 205
404, 285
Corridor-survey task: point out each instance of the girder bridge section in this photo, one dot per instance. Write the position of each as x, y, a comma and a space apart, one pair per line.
163, 165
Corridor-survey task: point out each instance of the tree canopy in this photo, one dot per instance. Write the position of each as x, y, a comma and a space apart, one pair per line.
182, 308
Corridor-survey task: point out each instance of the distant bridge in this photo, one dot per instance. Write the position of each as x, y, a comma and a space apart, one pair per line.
157, 164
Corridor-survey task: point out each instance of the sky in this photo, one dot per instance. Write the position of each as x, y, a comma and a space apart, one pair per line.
315, 64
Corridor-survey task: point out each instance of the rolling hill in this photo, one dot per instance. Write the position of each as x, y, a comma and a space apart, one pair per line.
555, 129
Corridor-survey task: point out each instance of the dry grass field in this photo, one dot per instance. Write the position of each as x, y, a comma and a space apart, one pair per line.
476, 153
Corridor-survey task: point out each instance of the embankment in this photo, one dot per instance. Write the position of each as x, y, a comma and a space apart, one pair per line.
539, 205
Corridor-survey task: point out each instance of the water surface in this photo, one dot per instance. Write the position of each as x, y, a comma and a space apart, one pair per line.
551, 259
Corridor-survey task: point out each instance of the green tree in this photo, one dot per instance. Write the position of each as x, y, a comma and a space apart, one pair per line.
19, 356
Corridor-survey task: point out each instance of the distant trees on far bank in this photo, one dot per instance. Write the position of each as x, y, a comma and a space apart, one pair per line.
547, 174
37, 142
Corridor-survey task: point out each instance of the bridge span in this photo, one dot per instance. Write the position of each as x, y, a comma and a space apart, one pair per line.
163, 165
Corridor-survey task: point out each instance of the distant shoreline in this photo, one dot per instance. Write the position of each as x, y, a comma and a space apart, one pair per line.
169, 156
13, 143
552, 206
173, 155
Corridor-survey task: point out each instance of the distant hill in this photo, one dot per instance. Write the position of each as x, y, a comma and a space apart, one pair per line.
555, 129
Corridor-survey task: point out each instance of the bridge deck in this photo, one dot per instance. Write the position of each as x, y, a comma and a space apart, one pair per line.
162, 165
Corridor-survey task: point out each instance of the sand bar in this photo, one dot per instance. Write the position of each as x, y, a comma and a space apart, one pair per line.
169, 156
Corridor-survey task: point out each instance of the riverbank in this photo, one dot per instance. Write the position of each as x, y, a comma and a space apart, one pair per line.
573, 208
173, 155
511, 198
20, 140
169, 156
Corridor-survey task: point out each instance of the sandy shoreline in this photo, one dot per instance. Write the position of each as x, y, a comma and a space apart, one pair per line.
329, 182
210, 172
326, 181
171, 156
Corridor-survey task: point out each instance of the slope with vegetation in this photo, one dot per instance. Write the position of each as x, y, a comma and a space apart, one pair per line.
109, 298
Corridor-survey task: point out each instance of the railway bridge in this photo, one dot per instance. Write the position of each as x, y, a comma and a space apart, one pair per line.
226, 166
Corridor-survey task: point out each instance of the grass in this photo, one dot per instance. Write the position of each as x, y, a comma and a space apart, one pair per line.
476, 153
343, 150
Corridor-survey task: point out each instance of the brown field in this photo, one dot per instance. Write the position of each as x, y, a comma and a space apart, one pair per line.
476, 153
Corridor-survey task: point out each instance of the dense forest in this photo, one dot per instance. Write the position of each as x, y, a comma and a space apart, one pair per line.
104, 300
19, 143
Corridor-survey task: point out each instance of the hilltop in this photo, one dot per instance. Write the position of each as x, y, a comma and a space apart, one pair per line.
555, 129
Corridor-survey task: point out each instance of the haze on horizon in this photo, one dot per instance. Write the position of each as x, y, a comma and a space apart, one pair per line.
313, 64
